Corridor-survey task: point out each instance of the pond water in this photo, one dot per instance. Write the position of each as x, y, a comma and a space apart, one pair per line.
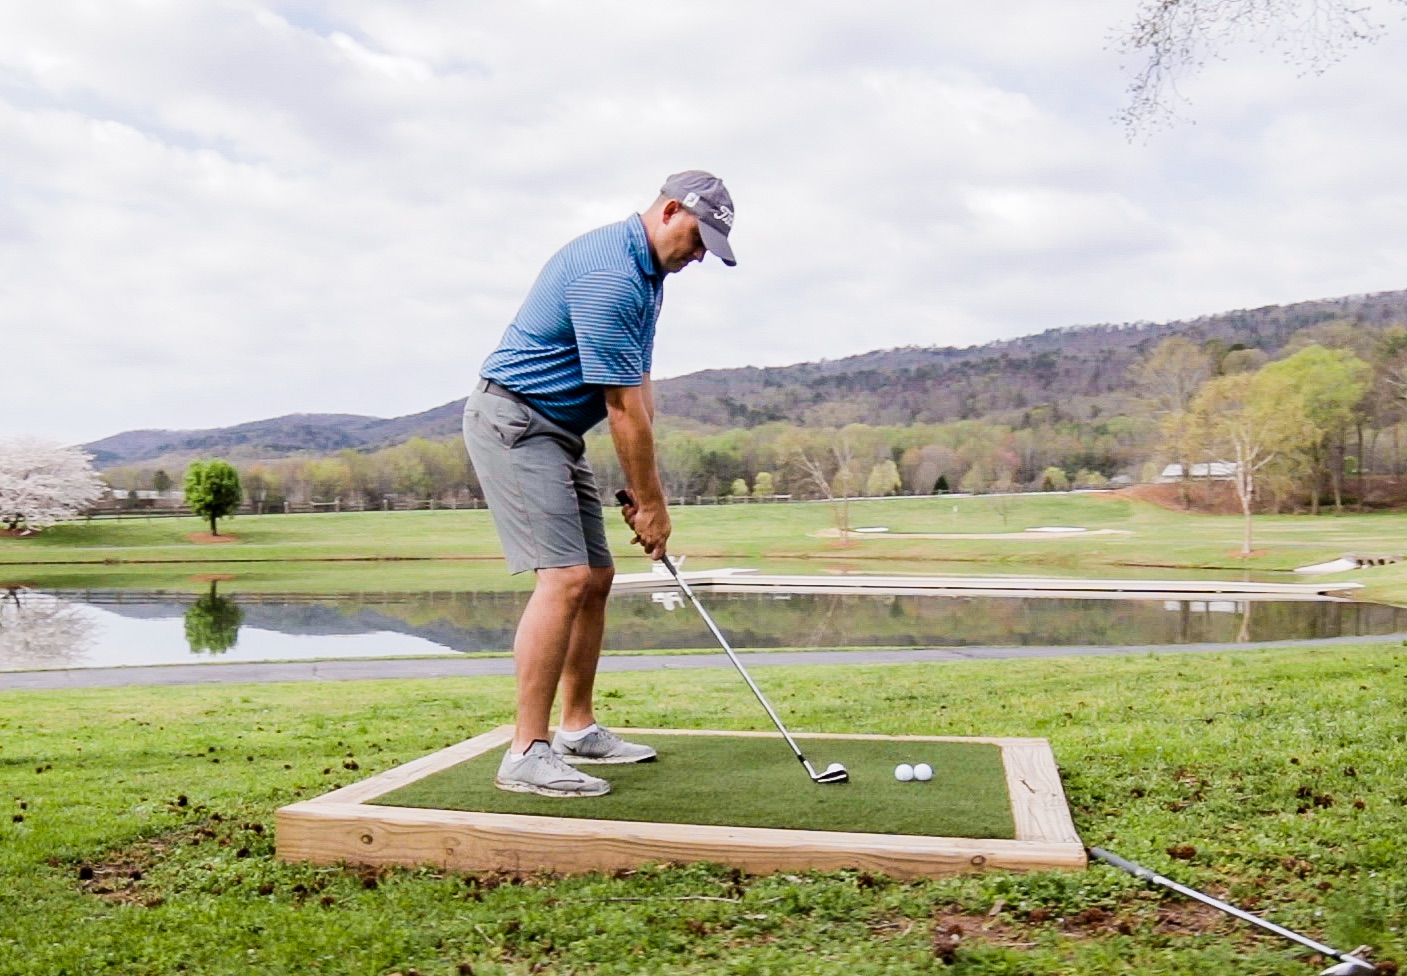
41, 629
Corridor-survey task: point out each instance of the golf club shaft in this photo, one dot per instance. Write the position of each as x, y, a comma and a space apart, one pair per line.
1144, 874
723, 642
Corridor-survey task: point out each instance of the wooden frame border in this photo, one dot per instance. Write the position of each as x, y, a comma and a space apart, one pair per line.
343, 827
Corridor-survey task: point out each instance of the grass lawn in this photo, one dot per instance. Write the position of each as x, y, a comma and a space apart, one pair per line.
418, 551
136, 829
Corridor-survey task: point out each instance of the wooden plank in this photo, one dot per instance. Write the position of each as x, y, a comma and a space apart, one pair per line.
398, 776
1038, 802
731, 581
1074, 593
341, 827
453, 840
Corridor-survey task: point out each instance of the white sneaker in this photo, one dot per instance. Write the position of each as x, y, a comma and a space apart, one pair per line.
601, 746
543, 772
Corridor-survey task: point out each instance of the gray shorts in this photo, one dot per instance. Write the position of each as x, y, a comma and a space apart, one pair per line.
537, 483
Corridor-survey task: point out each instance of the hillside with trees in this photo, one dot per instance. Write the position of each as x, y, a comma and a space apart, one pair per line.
303, 433
1076, 372
1068, 407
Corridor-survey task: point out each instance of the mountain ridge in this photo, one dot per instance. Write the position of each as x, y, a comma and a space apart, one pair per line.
1074, 369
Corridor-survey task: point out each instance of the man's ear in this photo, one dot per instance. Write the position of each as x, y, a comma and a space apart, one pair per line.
671, 207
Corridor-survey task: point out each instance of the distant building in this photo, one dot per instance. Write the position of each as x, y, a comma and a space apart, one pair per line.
143, 498
175, 495
1210, 471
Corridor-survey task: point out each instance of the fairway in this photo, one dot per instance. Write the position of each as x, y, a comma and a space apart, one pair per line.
756, 782
429, 551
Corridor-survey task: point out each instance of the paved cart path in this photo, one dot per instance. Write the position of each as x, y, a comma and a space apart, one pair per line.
448, 667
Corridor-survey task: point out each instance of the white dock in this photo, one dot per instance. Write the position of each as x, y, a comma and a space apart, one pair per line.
736, 580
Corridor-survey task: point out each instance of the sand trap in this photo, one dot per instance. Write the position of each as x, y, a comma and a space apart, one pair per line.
1339, 565
1058, 528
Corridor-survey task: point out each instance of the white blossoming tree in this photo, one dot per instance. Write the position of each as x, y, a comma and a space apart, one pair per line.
42, 482
39, 630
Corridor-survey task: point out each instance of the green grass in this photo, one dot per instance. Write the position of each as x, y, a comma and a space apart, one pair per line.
136, 835
419, 551
755, 782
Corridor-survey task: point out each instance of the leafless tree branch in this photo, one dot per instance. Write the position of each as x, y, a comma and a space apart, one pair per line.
1171, 40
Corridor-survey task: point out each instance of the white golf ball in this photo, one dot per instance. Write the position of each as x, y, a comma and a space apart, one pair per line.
833, 767
923, 772
903, 772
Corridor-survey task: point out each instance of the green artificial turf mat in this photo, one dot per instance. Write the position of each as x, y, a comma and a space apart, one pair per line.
756, 782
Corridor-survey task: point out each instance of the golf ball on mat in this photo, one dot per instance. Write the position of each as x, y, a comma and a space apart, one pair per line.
903, 772
923, 772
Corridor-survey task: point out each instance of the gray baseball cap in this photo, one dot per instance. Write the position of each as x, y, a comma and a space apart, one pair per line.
705, 196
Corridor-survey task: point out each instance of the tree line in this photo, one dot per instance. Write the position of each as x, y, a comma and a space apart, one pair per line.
1298, 430
1043, 450
1337, 391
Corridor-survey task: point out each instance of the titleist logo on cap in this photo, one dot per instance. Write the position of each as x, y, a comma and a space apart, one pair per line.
705, 196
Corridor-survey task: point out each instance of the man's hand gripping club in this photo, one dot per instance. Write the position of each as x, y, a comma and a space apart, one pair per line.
651, 527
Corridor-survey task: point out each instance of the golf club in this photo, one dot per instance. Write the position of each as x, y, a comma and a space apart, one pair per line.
835, 772
1348, 963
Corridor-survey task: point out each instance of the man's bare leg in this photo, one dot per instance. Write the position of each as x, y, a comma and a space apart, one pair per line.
584, 651
541, 644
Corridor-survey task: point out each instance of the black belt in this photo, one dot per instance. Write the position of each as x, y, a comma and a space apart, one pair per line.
489, 386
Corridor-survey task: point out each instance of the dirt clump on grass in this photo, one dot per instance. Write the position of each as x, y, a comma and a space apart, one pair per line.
118, 881
120, 875
205, 538
955, 930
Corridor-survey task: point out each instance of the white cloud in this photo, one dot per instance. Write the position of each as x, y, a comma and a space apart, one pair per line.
218, 212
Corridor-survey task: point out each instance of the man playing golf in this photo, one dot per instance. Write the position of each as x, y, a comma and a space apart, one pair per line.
578, 352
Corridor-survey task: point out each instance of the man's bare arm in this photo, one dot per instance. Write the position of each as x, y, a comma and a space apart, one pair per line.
647, 389
629, 409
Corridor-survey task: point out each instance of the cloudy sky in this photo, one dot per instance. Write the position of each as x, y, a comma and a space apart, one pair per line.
219, 211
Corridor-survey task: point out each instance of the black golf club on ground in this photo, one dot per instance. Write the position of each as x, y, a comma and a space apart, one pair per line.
835, 772
1348, 963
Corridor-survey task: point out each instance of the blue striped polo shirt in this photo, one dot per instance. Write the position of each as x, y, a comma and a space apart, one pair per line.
587, 323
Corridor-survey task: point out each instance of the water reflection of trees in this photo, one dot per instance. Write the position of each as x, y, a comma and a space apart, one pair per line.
212, 623
770, 620
39, 630
480, 621
828, 620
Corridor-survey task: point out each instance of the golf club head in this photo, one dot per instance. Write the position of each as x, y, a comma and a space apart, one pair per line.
834, 773
1350, 967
